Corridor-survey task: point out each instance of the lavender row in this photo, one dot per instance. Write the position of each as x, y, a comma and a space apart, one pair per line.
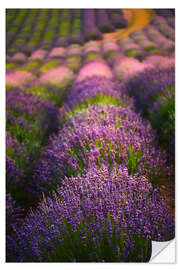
30, 120
47, 28
154, 92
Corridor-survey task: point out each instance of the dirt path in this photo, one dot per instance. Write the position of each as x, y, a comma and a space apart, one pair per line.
137, 18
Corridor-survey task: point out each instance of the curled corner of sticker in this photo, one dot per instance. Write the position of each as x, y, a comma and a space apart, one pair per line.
163, 252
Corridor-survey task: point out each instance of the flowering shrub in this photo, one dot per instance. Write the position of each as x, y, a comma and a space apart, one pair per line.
18, 57
163, 43
97, 90
154, 94
29, 122
57, 52
38, 55
74, 49
94, 68
90, 30
19, 78
126, 68
159, 61
101, 135
109, 45
61, 76
91, 47
101, 217
13, 213
103, 21
163, 27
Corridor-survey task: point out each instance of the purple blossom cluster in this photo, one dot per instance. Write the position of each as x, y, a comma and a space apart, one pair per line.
154, 93
164, 43
57, 76
126, 68
101, 135
102, 216
94, 68
141, 39
91, 47
19, 79
82, 92
89, 26
160, 61
29, 122
149, 84
103, 21
163, 27
14, 212
117, 18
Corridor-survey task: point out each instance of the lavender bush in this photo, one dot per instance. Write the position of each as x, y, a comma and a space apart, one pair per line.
101, 135
98, 217
154, 94
90, 31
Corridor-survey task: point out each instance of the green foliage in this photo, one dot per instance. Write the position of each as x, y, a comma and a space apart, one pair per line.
131, 53
105, 28
49, 35
74, 62
50, 65
10, 66
163, 120
151, 48
92, 56
95, 100
54, 95
29, 66
74, 246
92, 36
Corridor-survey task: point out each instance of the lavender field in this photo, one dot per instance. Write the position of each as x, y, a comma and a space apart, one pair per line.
90, 134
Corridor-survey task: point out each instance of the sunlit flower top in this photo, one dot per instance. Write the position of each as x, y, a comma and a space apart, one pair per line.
19, 78
160, 61
74, 49
38, 55
127, 68
95, 68
57, 76
18, 57
57, 52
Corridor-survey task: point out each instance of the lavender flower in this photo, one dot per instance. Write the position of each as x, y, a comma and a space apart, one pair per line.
74, 49
58, 52
101, 135
91, 88
109, 45
163, 27
100, 216
127, 68
154, 94
90, 30
94, 68
57, 76
38, 55
14, 213
91, 47
159, 61
162, 42
103, 21
19, 57
19, 78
